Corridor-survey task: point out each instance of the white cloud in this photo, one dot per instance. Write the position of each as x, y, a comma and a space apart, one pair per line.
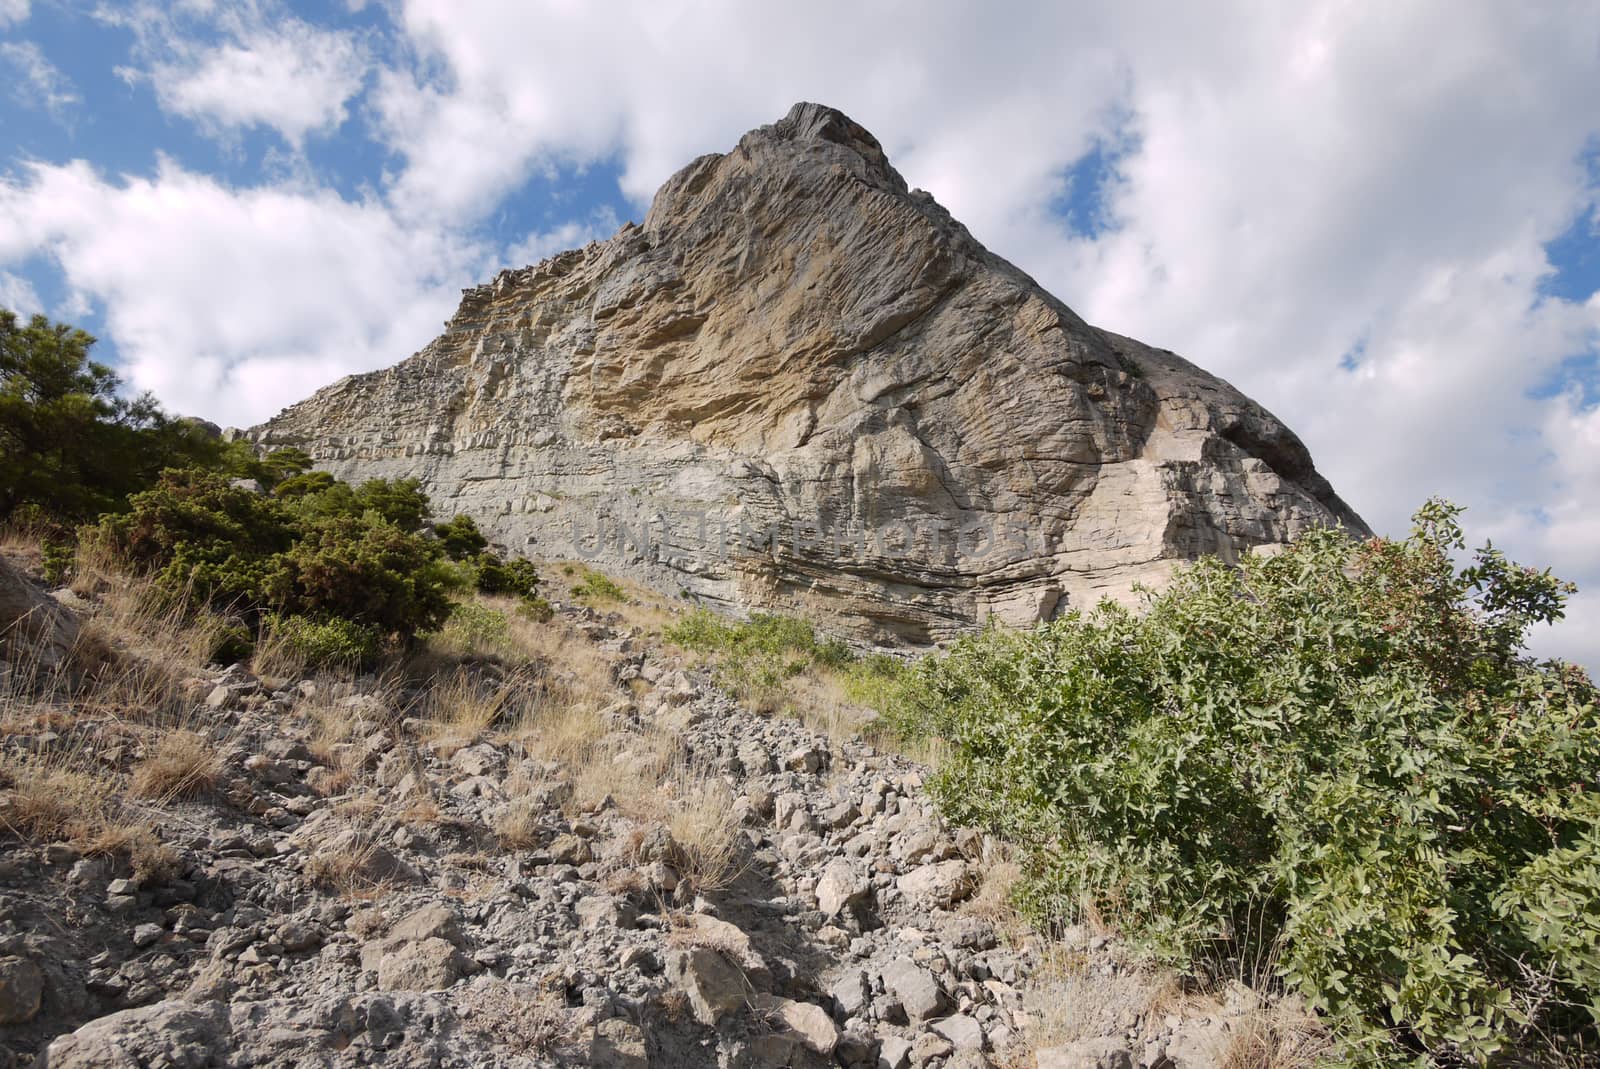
35, 81
543, 244
18, 295
232, 303
245, 65
13, 11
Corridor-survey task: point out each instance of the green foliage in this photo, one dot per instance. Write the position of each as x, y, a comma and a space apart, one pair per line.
518, 577
69, 444
476, 628
460, 537
592, 586
761, 653
59, 555
231, 644
321, 554
1341, 750
330, 642
536, 609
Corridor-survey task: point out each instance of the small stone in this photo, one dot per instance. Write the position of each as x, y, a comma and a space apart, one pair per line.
429, 965
1103, 1052
713, 983
570, 850
811, 1023
618, 1044
962, 1031
915, 988
937, 886
851, 993
147, 935
840, 887
894, 1053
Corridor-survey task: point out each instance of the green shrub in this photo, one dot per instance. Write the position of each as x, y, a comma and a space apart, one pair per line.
59, 555
231, 644
367, 570
319, 555
1341, 752
460, 537
332, 642
516, 577
476, 628
755, 657
536, 609
592, 586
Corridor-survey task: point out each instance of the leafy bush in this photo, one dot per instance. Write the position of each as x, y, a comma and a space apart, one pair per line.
231, 644
476, 628
1342, 751
460, 537
757, 656
536, 609
592, 586
320, 554
518, 577
331, 642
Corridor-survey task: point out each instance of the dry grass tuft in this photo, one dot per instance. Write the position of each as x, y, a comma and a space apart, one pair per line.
183, 764
347, 870
518, 825
701, 818
461, 708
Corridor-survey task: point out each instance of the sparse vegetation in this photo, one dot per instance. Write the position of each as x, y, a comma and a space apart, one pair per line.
593, 586
181, 764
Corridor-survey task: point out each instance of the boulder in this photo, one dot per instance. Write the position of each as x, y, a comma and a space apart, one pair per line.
915, 987
182, 1035
713, 983
21, 990
937, 886
34, 628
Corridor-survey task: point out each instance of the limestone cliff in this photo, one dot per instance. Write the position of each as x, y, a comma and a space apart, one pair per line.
802, 386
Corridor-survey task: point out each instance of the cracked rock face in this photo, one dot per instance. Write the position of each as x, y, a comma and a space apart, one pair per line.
801, 386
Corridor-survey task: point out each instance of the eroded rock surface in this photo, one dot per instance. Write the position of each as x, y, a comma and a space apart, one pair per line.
801, 385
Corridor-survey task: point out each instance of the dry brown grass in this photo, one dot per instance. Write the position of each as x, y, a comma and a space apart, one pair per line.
347, 870
461, 707
70, 797
518, 825
182, 764
701, 818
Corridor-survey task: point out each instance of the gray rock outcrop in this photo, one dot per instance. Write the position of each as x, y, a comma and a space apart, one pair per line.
802, 386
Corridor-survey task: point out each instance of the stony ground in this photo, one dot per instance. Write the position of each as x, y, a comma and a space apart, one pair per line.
341, 882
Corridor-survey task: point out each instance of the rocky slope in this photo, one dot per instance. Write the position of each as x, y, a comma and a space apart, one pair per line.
356, 884
801, 385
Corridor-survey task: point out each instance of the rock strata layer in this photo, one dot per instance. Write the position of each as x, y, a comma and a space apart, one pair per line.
802, 386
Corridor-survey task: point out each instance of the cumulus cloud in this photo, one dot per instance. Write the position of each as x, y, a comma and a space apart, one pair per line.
18, 295
35, 81
542, 244
232, 303
13, 11
246, 65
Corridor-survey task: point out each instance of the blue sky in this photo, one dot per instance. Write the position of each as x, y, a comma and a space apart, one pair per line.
1383, 228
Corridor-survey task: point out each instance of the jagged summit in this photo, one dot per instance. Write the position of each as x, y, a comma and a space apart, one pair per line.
801, 385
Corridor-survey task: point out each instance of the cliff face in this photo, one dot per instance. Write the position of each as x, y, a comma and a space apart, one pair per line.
802, 386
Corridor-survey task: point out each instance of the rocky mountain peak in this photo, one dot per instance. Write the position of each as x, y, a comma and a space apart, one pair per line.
801, 385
